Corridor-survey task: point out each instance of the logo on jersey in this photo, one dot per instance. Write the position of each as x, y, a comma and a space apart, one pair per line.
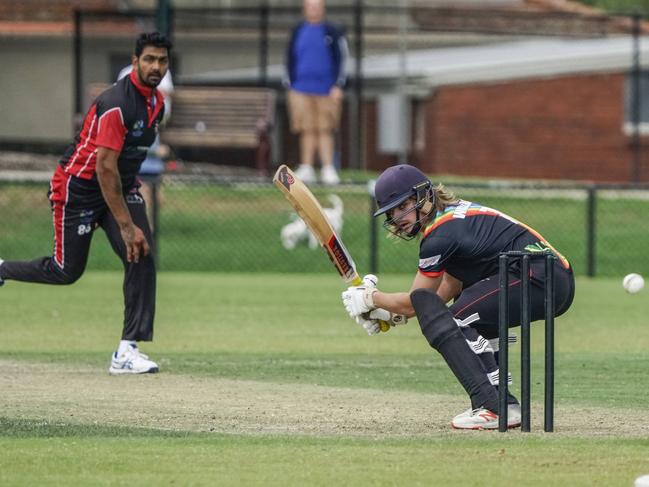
138, 128
429, 261
86, 216
461, 209
538, 247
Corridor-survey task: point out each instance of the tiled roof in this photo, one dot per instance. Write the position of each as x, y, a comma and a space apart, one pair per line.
539, 17
555, 17
49, 10
472, 64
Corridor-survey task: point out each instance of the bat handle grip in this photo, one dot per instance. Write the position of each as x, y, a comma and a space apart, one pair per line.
385, 326
372, 280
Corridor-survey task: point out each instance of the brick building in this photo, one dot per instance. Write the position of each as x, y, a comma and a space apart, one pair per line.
556, 109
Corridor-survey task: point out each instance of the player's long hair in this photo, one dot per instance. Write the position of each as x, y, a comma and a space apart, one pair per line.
443, 198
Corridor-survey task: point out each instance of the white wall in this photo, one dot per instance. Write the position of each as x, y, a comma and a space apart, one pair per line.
35, 89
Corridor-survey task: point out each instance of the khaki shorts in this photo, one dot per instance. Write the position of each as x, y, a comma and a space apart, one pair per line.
313, 113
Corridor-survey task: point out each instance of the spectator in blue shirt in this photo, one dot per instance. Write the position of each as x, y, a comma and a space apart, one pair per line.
315, 65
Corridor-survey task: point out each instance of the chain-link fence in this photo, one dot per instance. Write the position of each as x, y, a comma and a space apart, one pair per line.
235, 226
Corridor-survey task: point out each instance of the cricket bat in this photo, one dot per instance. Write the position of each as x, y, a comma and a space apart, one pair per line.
308, 208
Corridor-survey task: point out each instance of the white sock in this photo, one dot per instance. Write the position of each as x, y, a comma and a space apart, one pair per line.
125, 345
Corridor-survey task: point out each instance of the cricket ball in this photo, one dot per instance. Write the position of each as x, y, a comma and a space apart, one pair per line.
633, 283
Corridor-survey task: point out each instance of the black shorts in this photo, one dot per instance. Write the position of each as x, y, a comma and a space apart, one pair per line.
78, 209
483, 296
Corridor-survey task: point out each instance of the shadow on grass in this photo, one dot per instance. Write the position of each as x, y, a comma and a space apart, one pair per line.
42, 428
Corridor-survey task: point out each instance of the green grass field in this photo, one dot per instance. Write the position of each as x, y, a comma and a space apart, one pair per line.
265, 381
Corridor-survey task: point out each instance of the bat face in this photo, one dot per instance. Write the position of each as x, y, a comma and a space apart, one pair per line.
309, 209
307, 206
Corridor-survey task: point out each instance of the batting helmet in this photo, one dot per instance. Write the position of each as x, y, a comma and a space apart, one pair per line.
398, 183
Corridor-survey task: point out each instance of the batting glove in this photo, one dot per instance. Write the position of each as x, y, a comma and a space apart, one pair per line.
393, 319
372, 320
372, 327
358, 300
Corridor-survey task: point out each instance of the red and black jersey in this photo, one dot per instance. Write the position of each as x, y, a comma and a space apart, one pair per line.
123, 118
465, 240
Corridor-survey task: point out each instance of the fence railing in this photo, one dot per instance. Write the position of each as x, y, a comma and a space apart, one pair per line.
236, 226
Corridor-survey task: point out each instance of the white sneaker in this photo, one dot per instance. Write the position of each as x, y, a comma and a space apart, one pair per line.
132, 362
513, 415
306, 174
483, 419
1, 280
329, 176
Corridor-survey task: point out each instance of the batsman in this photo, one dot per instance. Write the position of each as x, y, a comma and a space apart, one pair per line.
454, 294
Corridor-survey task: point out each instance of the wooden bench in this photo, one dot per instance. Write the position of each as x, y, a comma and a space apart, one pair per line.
229, 118
217, 118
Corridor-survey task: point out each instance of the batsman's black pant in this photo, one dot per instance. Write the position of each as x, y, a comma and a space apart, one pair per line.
78, 208
482, 297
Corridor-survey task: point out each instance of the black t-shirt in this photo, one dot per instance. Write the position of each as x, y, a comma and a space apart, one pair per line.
465, 240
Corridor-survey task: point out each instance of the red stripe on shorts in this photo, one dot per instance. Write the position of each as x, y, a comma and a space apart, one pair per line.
59, 198
483, 297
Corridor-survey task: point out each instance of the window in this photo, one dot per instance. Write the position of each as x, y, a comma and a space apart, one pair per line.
642, 100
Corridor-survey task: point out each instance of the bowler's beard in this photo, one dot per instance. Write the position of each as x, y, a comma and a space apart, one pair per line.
146, 81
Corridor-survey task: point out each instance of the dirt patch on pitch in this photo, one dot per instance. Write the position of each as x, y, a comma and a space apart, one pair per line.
185, 403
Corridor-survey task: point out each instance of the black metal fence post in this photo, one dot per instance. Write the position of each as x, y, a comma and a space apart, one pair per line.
374, 248
264, 13
591, 222
356, 143
78, 81
155, 191
163, 17
636, 100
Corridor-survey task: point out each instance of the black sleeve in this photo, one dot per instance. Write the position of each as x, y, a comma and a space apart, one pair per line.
434, 254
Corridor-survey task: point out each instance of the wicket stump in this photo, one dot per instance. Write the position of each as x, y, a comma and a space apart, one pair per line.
524, 258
